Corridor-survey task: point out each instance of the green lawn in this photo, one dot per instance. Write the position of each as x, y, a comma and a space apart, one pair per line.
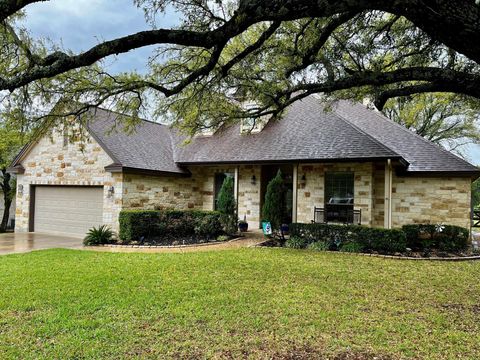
250, 303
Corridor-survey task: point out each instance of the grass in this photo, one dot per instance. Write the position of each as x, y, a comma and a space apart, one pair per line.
249, 303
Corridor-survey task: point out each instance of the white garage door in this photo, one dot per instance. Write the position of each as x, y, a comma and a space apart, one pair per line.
67, 209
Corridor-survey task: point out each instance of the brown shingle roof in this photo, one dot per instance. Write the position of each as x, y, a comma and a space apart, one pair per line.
149, 147
308, 132
423, 155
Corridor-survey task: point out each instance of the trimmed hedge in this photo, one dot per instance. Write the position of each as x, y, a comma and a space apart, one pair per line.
416, 237
441, 237
337, 236
141, 225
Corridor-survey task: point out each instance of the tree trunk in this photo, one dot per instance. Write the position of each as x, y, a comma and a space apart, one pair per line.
7, 199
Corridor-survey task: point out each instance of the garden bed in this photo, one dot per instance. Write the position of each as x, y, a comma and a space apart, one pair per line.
422, 241
177, 241
169, 245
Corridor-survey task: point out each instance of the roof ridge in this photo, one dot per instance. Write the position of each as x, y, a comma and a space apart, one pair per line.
126, 115
384, 118
368, 135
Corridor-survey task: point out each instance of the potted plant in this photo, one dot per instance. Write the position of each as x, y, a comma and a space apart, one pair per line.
243, 224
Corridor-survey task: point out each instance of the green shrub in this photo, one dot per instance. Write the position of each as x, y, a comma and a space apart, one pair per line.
318, 246
453, 238
223, 238
352, 247
295, 242
442, 237
140, 225
336, 236
274, 206
227, 206
96, 236
208, 226
137, 224
382, 240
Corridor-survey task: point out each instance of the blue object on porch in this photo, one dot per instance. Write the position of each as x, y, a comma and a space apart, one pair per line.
267, 228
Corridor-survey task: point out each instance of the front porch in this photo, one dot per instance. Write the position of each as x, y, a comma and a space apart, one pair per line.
347, 192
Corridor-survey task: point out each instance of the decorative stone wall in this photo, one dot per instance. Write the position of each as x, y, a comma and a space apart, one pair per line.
311, 194
249, 194
79, 162
431, 200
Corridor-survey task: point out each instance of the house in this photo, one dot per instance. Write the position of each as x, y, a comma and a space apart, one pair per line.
346, 156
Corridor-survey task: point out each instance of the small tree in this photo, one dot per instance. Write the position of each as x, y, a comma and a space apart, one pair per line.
274, 205
227, 205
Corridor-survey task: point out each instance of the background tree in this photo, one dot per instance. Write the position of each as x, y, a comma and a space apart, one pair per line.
12, 137
272, 53
476, 193
227, 205
273, 209
445, 119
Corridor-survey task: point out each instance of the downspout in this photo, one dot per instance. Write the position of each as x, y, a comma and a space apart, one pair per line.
235, 187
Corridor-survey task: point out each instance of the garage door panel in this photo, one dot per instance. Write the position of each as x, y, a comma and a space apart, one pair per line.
69, 210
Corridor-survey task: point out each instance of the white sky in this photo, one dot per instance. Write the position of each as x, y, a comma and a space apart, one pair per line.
80, 24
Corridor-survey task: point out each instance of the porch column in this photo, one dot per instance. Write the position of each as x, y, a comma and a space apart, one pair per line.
387, 218
235, 186
294, 193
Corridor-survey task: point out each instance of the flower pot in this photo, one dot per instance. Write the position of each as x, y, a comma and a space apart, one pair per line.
243, 226
285, 229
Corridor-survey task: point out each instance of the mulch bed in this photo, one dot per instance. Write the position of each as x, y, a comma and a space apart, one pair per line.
166, 243
412, 255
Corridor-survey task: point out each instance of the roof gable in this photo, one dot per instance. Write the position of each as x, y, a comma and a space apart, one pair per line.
149, 147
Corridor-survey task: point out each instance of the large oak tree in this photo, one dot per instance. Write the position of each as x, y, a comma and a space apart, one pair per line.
268, 52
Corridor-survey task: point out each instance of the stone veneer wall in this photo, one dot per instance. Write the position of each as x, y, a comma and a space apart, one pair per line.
172, 192
312, 193
195, 192
249, 194
431, 200
51, 163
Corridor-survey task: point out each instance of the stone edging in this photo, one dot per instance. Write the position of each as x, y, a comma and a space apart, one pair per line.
457, 258
126, 246
465, 258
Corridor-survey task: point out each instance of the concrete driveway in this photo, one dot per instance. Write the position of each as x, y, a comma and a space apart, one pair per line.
11, 243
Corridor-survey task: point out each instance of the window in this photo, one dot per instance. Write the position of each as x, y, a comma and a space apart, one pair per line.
219, 178
339, 188
339, 197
